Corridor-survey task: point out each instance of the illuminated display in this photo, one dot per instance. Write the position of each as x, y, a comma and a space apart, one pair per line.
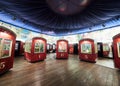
39, 46
86, 48
28, 47
5, 48
105, 48
98, 47
16, 46
62, 46
54, 46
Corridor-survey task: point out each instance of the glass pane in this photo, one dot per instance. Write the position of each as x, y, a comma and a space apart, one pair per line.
86, 48
98, 46
7, 46
105, 48
118, 49
37, 49
16, 46
39, 46
62, 46
42, 48
28, 47
54, 46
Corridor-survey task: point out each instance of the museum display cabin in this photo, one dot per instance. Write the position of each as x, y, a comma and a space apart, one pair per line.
7, 47
62, 49
87, 50
35, 49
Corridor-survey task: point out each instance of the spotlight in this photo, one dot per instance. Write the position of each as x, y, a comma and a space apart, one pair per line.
103, 25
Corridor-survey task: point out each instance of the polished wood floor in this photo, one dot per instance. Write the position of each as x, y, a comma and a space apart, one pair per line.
52, 72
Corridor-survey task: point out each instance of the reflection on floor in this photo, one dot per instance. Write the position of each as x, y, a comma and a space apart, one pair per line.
105, 62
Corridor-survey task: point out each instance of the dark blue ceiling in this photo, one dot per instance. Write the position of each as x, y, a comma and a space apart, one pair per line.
61, 17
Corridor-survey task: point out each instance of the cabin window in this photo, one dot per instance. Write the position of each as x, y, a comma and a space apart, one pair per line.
5, 48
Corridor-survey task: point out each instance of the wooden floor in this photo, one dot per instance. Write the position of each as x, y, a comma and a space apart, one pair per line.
52, 72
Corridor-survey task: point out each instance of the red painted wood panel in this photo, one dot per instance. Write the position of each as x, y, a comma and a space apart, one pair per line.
71, 48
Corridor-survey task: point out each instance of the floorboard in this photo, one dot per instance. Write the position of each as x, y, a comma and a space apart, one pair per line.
59, 72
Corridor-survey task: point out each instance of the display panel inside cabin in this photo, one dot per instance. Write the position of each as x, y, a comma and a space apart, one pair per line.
5, 48
86, 48
39, 46
28, 46
62, 46
105, 48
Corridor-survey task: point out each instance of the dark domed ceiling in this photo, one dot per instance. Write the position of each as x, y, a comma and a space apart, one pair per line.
60, 17
67, 7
